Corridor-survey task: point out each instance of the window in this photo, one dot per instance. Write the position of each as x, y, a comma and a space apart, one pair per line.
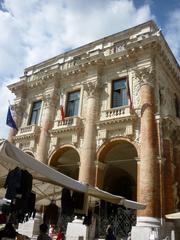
36, 107
119, 93
177, 106
72, 104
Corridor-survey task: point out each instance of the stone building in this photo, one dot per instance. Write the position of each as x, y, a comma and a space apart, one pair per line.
120, 96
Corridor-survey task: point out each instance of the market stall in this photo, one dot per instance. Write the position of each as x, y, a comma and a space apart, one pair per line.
11, 157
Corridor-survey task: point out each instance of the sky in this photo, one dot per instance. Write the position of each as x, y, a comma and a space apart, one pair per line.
34, 30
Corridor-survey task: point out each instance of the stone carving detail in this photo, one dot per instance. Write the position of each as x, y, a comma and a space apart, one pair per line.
18, 108
117, 133
145, 75
91, 88
136, 88
137, 136
50, 100
99, 142
102, 134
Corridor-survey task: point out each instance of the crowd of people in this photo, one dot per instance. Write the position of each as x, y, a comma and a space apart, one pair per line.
9, 233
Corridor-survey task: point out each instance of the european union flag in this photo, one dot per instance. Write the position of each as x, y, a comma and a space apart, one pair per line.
10, 121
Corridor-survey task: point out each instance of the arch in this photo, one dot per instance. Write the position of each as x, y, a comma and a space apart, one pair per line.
110, 143
29, 153
58, 152
66, 160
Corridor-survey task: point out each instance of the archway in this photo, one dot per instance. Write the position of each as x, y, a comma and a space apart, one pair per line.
119, 177
66, 160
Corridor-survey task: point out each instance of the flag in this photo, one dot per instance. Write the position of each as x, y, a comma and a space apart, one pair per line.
10, 121
128, 92
61, 108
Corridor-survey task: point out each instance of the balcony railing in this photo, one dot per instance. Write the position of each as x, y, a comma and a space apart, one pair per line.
114, 113
68, 122
31, 129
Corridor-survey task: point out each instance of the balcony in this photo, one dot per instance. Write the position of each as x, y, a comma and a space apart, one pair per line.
69, 124
115, 115
28, 131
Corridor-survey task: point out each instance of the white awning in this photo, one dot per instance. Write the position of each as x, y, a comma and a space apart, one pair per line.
173, 216
11, 156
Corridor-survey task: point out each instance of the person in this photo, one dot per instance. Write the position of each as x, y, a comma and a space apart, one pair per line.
43, 232
109, 233
8, 232
60, 235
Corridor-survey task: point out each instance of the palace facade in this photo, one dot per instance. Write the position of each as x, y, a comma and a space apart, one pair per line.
108, 114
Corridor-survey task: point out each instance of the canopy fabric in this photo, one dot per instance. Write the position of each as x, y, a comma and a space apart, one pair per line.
11, 156
173, 216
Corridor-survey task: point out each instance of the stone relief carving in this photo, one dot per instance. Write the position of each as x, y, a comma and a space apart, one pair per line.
136, 88
53, 145
92, 88
145, 75
117, 133
137, 136
99, 142
50, 100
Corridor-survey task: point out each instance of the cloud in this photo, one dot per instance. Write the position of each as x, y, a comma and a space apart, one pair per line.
172, 32
39, 29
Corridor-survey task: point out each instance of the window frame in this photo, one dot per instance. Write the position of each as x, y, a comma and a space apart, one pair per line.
68, 101
38, 112
112, 90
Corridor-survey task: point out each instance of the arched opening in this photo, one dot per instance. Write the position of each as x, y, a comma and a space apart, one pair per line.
121, 173
119, 177
66, 160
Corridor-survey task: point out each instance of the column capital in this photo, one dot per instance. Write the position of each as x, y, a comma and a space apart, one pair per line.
91, 87
145, 75
50, 100
18, 108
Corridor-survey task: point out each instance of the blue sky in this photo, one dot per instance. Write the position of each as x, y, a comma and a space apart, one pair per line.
34, 30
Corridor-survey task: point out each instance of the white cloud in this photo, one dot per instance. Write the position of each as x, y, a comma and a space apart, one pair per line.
5, 97
38, 29
172, 32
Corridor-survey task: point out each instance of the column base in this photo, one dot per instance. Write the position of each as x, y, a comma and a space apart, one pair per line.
152, 229
76, 230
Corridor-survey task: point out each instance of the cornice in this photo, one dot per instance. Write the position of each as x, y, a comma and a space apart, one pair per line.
116, 120
172, 70
68, 129
27, 136
125, 46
